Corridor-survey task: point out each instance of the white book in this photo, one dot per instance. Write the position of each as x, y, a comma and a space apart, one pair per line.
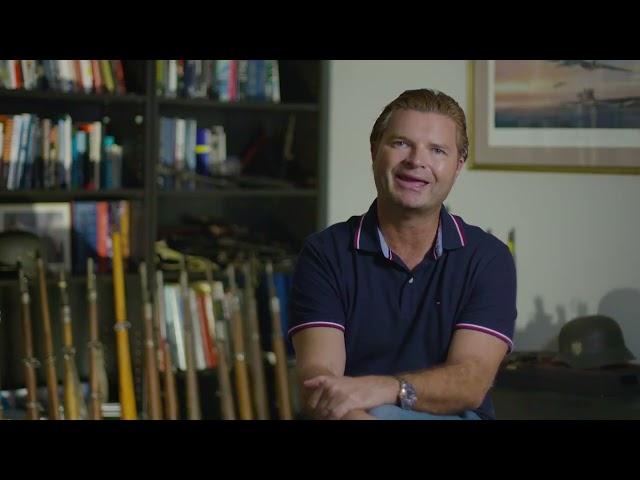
180, 144
173, 294
275, 80
95, 151
67, 149
87, 75
170, 330
65, 69
172, 81
178, 326
14, 151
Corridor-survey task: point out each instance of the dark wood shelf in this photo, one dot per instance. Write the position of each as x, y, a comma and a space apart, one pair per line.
240, 192
50, 95
245, 105
68, 195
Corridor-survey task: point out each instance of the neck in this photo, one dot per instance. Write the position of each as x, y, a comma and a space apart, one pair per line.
409, 234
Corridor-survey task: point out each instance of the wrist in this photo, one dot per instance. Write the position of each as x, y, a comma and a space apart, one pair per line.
389, 389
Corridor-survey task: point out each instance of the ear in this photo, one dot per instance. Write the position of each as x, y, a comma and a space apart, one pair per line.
460, 165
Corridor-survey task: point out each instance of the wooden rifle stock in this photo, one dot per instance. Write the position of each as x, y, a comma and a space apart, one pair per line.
150, 366
125, 375
49, 357
237, 337
282, 378
95, 395
193, 394
169, 384
74, 408
224, 382
30, 363
255, 349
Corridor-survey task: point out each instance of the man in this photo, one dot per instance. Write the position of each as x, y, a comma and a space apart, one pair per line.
405, 311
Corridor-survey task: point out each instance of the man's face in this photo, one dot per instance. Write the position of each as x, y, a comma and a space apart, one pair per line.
416, 161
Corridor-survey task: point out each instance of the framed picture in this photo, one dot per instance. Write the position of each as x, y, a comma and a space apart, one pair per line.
50, 221
555, 115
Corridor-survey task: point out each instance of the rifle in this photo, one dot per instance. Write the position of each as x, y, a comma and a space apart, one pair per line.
97, 393
74, 408
170, 397
219, 331
30, 362
49, 357
125, 375
152, 382
282, 378
237, 337
256, 363
193, 394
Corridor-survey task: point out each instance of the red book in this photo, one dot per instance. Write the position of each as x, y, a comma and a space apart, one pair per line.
102, 232
119, 71
97, 76
77, 76
18, 70
233, 80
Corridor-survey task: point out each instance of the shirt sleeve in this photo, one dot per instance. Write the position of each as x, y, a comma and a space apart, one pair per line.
491, 307
315, 293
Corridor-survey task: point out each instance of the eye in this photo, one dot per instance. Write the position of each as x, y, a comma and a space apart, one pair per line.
399, 143
439, 151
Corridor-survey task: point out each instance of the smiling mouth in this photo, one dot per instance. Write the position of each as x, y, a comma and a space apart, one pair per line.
408, 181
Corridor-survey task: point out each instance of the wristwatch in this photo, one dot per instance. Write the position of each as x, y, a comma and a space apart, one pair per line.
407, 396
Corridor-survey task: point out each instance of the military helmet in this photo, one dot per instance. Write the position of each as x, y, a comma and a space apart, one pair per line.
19, 246
592, 341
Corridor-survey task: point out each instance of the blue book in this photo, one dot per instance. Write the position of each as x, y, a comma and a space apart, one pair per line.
223, 72
261, 80
190, 146
84, 234
189, 78
282, 283
203, 148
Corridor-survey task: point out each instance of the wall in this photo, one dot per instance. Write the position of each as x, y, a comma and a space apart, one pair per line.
577, 235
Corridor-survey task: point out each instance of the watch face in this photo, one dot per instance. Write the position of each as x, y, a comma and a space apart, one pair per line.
408, 396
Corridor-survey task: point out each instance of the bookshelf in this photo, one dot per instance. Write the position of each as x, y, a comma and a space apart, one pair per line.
296, 202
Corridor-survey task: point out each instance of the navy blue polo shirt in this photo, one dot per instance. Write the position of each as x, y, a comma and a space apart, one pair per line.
394, 319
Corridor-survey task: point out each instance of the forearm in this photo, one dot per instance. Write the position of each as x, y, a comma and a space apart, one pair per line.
448, 388
305, 373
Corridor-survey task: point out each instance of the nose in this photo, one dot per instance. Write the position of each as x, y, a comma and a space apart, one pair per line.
418, 157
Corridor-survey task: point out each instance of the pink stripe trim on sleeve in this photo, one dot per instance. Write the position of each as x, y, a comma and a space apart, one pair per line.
504, 338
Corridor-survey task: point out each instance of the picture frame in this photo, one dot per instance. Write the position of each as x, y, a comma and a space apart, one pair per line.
578, 116
50, 221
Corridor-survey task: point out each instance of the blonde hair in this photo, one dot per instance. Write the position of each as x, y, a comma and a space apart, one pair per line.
428, 101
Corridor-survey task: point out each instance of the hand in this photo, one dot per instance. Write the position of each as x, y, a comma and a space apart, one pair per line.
333, 397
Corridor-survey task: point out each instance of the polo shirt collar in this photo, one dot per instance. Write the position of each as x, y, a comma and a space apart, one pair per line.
368, 236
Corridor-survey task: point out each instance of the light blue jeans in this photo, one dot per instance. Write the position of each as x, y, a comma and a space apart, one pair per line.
393, 412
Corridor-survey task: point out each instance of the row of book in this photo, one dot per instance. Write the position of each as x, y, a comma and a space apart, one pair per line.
88, 76
185, 147
223, 80
91, 229
209, 324
57, 153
